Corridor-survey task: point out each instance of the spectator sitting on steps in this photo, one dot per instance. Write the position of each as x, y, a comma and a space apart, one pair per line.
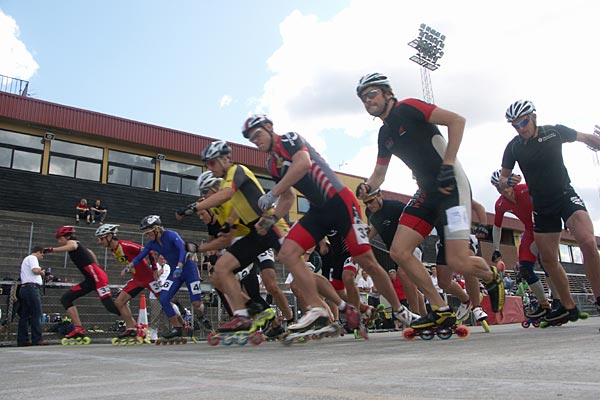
83, 211
98, 212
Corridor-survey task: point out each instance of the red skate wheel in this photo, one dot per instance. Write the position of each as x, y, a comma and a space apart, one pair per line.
213, 339
409, 334
462, 331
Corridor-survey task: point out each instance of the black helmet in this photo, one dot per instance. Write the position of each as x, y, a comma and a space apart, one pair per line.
150, 221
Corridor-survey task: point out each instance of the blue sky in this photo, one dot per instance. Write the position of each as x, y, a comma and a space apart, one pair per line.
202, 67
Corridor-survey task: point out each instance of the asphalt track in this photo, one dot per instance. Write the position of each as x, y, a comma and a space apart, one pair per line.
509, 363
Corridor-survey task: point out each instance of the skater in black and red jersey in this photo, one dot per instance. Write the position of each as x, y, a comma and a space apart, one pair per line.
410, 132
144, 275
95, 277
293, 162
538, 151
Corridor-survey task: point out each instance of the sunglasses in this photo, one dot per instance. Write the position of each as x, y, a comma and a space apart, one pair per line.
521, 124
369, 202
211, 163
369, 95
254, 135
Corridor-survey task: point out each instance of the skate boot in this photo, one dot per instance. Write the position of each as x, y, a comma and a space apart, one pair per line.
262, 319
556, 304
315, 317
237, 323
479, 314
205, 323
437, 322
175, 336
314, 324
561, 316
240, 330
405, 316
538, 313
76, 336
275, 330
462, 312
350, 315
495, 289
127, 337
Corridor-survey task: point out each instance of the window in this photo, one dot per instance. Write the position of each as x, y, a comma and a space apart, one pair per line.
130, 169
577, 256
75, 160
21, 151
565, 253
303, 204
178, 177
266, 183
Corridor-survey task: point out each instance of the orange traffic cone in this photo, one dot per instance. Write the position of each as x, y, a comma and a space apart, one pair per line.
143, 314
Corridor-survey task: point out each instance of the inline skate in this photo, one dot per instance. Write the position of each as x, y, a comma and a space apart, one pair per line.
77, 336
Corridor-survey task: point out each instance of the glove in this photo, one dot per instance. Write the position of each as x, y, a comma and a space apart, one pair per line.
509, 181
225, 228
191, 247
47, 250
177, 272
187, 211
482, 230
265, 202
362, 189
496, 255
446, 177
267, 222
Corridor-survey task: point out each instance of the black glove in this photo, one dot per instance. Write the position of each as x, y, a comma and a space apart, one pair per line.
267, 222
362, 187
225, 228
496, 255
188, 210
482, 230
446, 177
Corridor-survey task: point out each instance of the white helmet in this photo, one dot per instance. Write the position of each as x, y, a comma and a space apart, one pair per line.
373, 79
215, 149
254, 121
207, 180
495, 178
518, 109
105, 229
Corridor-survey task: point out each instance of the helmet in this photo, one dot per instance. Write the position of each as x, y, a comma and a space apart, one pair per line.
207, 180
105, 229
518, 109
215, 149
150, 221
254, 121
374, 79
64, 231
495, 179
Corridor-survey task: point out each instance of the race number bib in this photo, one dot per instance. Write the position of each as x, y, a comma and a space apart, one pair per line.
244, 273
361, 230
155, 286
103, 291
457, 219
167, 284
195, 287
267, 255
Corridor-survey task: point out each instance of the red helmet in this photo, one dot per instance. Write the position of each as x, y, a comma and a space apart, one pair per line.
64, 231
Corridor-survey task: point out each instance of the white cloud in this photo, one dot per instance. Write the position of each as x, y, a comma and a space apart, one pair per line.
15, 59
495, 54
225, 101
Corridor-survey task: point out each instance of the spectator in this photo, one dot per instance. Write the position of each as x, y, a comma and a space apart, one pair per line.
364, 285
83, 211
459, 279
31, 303
509, 284
98, 212
158, 319
399, 292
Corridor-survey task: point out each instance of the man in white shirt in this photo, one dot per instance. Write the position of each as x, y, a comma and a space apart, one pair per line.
365, 286
32, 276
158, 320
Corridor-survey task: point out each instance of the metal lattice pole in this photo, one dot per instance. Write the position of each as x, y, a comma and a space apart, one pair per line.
426, 84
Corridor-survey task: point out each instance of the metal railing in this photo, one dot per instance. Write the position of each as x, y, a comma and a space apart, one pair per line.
14, 85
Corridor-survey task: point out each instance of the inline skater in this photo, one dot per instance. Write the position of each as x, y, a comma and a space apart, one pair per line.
538, 151
516, 200
143, 275
171, 246
294, 163
94, 277
409, 132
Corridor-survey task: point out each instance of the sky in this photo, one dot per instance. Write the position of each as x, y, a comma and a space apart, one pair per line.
204, 66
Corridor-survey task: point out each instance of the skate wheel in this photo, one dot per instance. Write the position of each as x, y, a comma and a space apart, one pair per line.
256, 338
242, 340
584, 315
486, 326
157, 342
131, 342
427, 335
79, 341
228, 340
115, 341
544, 324
525, 324
64, 342
463, 332
444, 333
409, 334
87, 340
536, 324
183, 341
213, 339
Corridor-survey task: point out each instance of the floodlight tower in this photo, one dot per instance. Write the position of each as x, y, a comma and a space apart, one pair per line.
430, 47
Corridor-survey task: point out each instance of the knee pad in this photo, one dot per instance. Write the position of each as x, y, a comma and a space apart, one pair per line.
527, 272
67, 299
110, 305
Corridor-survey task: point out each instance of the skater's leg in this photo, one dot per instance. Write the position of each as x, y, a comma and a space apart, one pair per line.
121, 304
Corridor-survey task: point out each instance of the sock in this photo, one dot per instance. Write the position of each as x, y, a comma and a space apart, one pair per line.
242, 313
342, 306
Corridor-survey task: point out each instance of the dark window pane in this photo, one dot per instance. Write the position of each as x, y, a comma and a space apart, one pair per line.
130, 159
170, 183
188, 186
303, 205
62, 166
27, 161
119, 175
5, 157
20, 139
77, 150
180, 168
88, 170
142, 179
